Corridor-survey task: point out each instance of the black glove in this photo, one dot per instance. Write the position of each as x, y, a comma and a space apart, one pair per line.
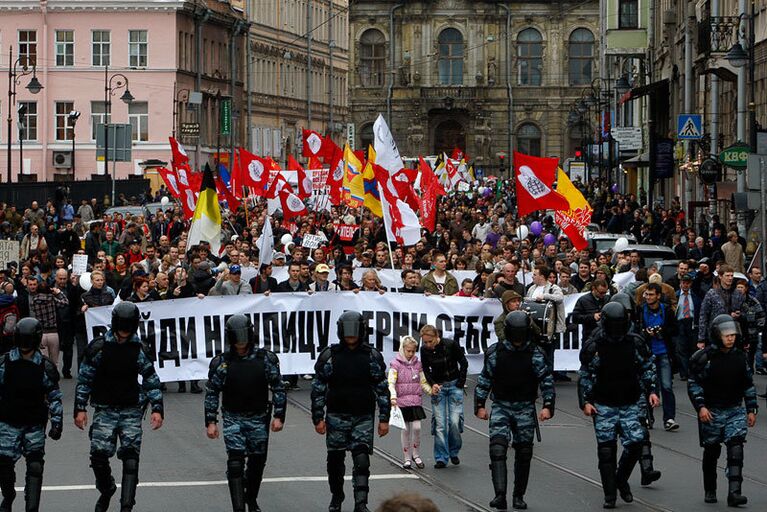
55, 432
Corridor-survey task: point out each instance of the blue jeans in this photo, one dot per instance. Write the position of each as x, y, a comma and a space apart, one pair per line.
665, 384
447, 421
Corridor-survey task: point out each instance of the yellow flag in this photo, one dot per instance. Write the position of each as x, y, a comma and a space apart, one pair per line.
372, 199
353, 187
575, 220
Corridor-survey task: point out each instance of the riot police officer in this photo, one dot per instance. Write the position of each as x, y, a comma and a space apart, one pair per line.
719, 381
616, 369
29, 395
108, 379
244, 375
350, 378
513, 369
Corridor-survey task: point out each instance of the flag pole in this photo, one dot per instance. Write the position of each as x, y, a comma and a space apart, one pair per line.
384, 206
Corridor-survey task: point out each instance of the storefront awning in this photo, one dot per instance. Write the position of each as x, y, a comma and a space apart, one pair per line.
644, 90
641, 160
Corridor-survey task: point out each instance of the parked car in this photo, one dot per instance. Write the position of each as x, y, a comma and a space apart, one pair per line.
602, 242
153, 208
651, 253
129, 210
667, 268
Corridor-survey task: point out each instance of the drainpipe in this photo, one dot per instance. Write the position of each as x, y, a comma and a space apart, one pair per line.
44, 109
688, 96
646, 101
714, 119
741, 119
309, 65
331, 45
199, 18
510, 113
248, 71
391, 64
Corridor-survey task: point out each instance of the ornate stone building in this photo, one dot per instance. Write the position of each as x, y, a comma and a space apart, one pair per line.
486, 76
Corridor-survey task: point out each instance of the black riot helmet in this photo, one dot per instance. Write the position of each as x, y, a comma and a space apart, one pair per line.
721, 326
239, 329
516, 327
125, 317
624, 299
28, 334
350, 323
615, 320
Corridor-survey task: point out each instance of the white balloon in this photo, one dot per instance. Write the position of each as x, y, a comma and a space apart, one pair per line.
164, 201
522, 231
85, 281
621, 244
286, 239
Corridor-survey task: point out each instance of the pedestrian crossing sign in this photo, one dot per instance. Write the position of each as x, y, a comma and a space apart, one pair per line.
689, 126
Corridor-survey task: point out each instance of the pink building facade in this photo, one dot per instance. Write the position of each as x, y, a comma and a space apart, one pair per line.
72, 42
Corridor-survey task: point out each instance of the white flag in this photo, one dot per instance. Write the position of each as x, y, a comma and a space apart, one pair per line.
266, 244
387, 154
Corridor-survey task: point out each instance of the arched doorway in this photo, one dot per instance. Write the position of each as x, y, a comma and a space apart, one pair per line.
449, 134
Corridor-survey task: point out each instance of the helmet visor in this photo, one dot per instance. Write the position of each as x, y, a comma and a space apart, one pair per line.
727, 328
351, 327
238, 335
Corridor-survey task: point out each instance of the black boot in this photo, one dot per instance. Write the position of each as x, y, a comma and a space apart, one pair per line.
499, 472
254, 474
607, 453
235, 475
195, 388
522, 457
182, 386
105, 484
629, 458
360, 477
735, 475
129, 483
7, 483
336, 470
34, 481
710, 457
649, 474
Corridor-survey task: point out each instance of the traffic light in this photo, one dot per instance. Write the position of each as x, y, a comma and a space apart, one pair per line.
579, 154
501, 168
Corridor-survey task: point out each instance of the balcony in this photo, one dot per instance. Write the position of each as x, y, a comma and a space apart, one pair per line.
717, 34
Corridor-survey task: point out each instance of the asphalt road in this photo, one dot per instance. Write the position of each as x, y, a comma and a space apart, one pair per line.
182, 470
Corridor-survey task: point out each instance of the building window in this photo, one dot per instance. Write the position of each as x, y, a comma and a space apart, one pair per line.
101, 41
28, 120
450, 57
628, 13
138, 116
372, 58
65, 48
581, 53
366, 136
98, 116
27, 48
529, 139
64, 131
530, 57
137, 48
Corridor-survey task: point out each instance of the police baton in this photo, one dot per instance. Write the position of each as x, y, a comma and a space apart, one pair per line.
537, 425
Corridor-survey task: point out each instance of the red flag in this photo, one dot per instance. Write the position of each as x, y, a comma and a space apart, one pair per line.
429, 179
336, 173
179, 153
459, 154
313, 144
403, 183
223, 191
278, 184
171, 181
253, 172
292, 206
304, 182
314, 163
534, 180
428, 207
188, 194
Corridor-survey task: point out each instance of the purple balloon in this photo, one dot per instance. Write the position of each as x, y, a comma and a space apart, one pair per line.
536, 228
614, 188
488, 192
549, 239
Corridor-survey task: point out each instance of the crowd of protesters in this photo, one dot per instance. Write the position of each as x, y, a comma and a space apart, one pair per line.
144, 259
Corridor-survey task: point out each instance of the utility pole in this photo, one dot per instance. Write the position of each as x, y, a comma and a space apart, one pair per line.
309, 65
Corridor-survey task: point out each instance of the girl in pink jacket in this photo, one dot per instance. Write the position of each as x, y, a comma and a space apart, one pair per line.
407, 383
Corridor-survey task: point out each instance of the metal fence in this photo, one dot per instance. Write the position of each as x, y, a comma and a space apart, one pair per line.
22, 194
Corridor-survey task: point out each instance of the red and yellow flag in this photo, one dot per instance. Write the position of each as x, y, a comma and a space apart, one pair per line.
575, 220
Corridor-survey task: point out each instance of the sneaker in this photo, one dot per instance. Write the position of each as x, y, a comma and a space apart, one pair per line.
455, 460
440, 465
407, 465
671, 425
307, 376
761, 371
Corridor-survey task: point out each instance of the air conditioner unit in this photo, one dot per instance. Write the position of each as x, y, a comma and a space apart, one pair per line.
62, 159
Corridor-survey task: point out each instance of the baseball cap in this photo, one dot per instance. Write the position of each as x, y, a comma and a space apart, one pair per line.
688, 277
235, 269
706, 260
278, 256
322, 269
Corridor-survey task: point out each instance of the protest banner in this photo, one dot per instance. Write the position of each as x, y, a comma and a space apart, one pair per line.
298, 326
9, 252
79, 264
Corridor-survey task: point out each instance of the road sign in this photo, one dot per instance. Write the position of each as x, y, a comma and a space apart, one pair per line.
709, 171
190, 129
120, 142
689, 126
736, 156
225, 116
629, 137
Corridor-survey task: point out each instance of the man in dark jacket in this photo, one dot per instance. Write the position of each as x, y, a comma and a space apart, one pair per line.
588, 309
687, 316
445, 367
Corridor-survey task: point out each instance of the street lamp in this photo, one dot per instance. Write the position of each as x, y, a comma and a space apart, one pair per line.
72, 119
14, 79
21, 112
737, 56
111, 86
622, 85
